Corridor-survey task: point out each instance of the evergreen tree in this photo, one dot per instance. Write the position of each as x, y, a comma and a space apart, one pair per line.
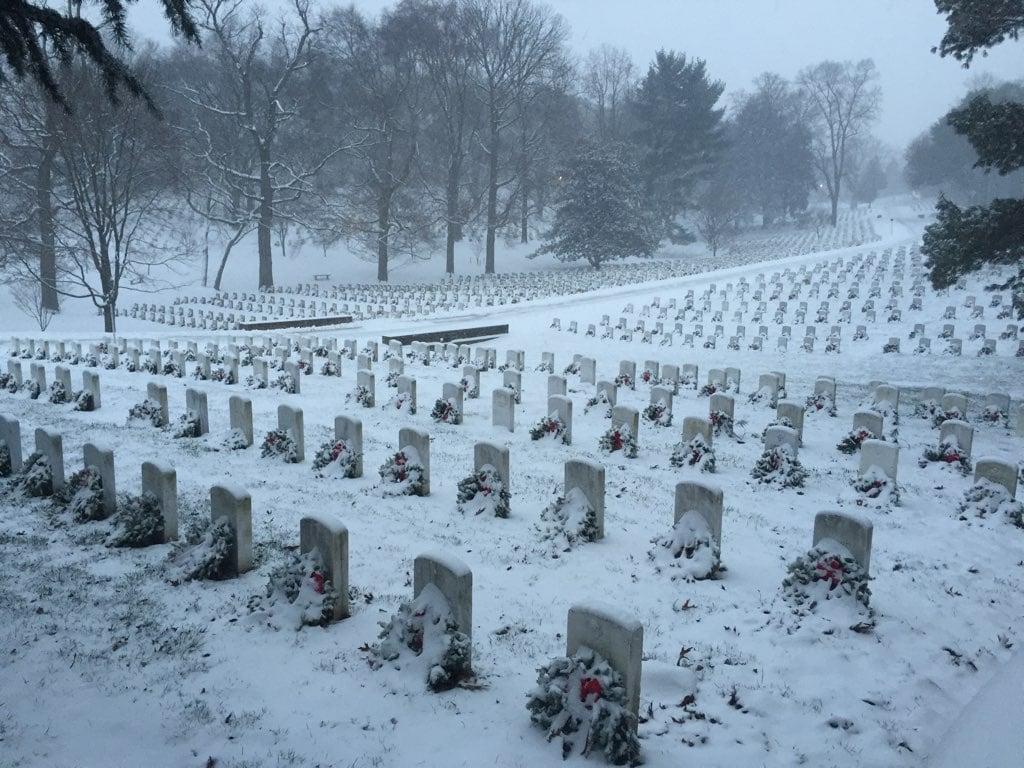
679, 130
599, 214
962, 241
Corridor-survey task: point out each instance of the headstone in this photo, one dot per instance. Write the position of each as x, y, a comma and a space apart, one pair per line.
329, 537
878, 453
611, 391
472, 375
103, 460
503, 409
653, 368
716, 378
38, 371
495, 455
351, 348
14, 371
670, 373
769, 382
588, 477
453, 392
235, 505
363, 362
365, 378
660, 393
997, 471
732, 379
933, 394
396, 365
91, 386
998, 401
51, 445
959, 432
953, 401
617, 638
295, 374
515, 359
777, 436
588, 370
513, 380
240, 412
195, 403
707, 500
724, 403
556, 385
852, 532
419, 441
453, 578
869, 420
691, 373
825, 385
885, 393
160, 480
351, 432
630, 417
407, 388
561, 407
290, 420
790, 409
62, 375
10, 435
694, 426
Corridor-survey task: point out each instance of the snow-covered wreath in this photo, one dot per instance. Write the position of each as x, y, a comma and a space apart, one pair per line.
824, 574
483, 492
446, 412
779, 466
694, 453
550, 426
402, 474
335, 457
659, 413
689, 550
279, 443
619, 438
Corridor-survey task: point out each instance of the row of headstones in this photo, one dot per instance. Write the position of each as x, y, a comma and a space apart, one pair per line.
62, 375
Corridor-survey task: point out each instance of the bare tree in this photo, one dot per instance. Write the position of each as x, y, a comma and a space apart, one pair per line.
608, 79
843, 99
255, 92
514, 44
28, 297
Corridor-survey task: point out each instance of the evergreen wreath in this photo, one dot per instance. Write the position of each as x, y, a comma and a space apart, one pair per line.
783, 421
926, 409
824, 575
84, 401
402, 401
890, 347
140, 522
582, 700
821, 403
549, 426
391, 380
425, 627
767, 396
329, 368
404, 471
6, 467
472, 393
887, 409
279, 443
197, 372
708, 389
34, 389
517, 396
600, 398
940, 416
875, 485
689, 549
659, 413
855, 438
986, 498
297, 595
445, 412
947, 452
625, 380
619, 438
37, 476
83, 494
204, 555
571, 369
993, 415
483, 491
285, 383
147, 410
59, 393
149, 365
567, 521
362, 395
8, 383
188, 425
722, 422
695, 453
251, 382
336, 453
779, 466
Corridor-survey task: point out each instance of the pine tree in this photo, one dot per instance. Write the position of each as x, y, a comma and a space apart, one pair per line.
964, 240
599, 216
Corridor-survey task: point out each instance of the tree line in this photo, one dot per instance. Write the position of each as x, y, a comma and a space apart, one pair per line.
399, 134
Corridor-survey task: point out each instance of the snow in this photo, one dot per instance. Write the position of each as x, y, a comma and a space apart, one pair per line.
103, 662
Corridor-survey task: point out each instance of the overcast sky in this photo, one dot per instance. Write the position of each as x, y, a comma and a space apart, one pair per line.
739, 39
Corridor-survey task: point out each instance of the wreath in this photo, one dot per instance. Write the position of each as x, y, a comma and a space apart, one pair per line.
619, 438
549, 426
483, 491
280, 443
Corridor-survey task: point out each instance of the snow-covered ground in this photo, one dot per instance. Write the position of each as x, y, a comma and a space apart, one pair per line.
106, 663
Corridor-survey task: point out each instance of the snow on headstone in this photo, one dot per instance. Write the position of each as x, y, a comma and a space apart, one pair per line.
881, 454
453, 392
10, 436
588, 370
62, 375
240, 413
102, 459
732, 379
630, 417
158, 394
695, 425
503, 409
779, 436
329, 537
953, 401
556, 385
91, 386
707, 500
350, 431
959, 433
195, 403
724, 403
869, 420
794, 411
453, 578
289, 420
610, 390
997, 471
852, 532
419, 441
366, 379
561, 407
617, 638
235, 505
825, 385
51, 445
38, 373
160, 480
407, 389
588, 477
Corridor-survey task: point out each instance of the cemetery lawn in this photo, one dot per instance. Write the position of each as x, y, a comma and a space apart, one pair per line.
104, 662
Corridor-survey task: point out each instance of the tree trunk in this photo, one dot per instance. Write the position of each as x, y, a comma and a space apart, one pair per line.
263, 237
454, 228
492, 199
835, 206
47, 253
383, 226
